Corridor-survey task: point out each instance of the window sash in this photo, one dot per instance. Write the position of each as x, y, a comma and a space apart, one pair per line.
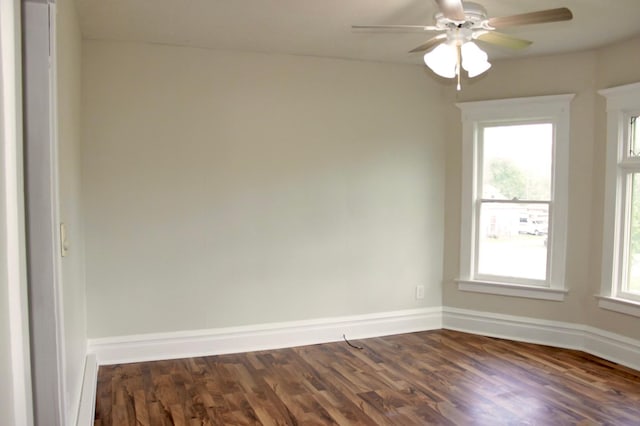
479, 174
479, 149
477, 275
628, 165
624, 262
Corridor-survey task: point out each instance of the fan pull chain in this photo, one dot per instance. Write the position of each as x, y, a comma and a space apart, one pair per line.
458, 60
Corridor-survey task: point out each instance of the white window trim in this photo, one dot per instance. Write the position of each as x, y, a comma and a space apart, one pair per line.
556, 109
621, 101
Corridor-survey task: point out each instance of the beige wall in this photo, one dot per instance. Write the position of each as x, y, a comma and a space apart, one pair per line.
68, 46
228, 188
582, 74
618, 64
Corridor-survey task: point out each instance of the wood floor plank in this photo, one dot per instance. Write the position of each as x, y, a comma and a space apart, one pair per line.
439, 377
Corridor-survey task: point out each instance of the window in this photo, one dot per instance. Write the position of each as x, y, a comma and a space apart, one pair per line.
621, 237
514, 196
514, 179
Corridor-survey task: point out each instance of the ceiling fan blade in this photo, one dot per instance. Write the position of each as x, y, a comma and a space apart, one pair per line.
398, 27
540, 17
452, 9
429, 44
504, 40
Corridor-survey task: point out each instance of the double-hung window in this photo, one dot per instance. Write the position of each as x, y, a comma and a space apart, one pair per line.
514, 196
621, 237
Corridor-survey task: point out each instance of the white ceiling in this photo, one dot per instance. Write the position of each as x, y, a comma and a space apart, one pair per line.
323, 27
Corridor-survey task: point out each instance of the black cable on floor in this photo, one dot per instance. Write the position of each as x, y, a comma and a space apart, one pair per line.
351, 344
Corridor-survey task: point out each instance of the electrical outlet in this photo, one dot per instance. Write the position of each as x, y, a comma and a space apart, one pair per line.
419, 292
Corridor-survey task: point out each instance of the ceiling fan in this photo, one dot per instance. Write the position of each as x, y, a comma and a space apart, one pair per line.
459, 24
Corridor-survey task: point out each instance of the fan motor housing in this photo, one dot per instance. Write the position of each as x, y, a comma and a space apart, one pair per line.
474, 15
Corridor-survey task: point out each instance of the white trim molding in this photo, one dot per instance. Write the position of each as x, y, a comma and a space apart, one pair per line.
623, 103
13, 274
623, 306
159, 346
601, 343
553, 109
516, 290
86, 409
48, 366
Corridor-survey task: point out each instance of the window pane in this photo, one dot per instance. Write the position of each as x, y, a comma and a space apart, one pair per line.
513, 240
633, 266
634, 138
516, 162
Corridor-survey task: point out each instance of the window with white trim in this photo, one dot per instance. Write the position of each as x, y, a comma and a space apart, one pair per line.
514, 196
621, 237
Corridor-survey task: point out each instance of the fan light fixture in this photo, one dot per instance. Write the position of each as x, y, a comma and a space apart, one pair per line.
459, 23
446, 58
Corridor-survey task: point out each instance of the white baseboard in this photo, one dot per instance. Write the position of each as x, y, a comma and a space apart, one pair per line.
613, 347
610, 346
88, 397
151, 347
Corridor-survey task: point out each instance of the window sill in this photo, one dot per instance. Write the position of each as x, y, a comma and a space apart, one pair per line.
514, 290
623, 306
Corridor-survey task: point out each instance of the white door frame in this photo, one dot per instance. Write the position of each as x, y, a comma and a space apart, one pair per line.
42, 214
14, 276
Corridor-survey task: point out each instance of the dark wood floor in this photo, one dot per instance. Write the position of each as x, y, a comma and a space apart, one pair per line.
438, 377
